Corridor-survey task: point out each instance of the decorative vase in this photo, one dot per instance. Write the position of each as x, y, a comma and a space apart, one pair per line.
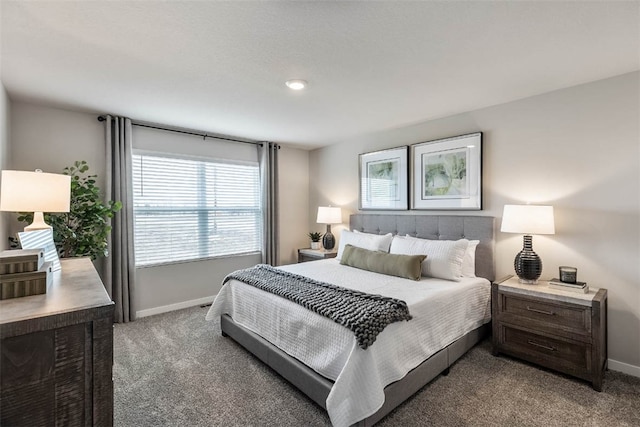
528, 264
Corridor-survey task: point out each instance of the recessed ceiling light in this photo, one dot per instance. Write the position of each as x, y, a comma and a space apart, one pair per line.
296, 84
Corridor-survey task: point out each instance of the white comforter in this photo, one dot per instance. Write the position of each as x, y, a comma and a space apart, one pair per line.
442, 312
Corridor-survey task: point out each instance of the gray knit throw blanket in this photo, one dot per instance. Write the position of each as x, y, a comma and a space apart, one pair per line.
364, 314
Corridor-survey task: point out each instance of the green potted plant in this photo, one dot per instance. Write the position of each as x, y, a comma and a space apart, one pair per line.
84, 229
315, 239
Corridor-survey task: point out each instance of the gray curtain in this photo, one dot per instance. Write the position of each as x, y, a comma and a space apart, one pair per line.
268, 156
119, 266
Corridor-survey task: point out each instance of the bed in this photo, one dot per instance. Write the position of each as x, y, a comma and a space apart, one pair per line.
321, 358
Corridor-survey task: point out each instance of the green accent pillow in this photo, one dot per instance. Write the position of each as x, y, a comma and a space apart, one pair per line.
407, 266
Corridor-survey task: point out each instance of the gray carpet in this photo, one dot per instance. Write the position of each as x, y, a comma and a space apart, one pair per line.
175, 370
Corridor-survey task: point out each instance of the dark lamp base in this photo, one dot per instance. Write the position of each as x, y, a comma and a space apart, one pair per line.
528, 264
328, 241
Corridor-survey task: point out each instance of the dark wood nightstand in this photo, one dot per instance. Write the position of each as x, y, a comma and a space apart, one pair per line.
560, 330
305, 255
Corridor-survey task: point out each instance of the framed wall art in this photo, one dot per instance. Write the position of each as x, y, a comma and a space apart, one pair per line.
446, 174
384, 179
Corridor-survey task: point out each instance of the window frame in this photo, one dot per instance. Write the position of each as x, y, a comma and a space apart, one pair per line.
198, 158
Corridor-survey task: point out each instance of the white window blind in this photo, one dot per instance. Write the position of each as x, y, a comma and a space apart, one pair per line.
189, 209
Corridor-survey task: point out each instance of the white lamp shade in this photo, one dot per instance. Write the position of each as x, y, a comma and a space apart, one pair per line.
528, 219
26, 191
329, 215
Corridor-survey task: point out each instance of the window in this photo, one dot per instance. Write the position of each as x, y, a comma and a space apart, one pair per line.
188, 209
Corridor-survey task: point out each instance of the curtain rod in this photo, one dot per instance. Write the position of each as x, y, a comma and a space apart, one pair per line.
203, 135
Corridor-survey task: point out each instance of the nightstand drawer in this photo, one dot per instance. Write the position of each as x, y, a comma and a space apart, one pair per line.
570, 357
563, 319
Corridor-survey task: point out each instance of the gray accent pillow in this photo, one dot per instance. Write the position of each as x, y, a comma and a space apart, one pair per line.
407, 266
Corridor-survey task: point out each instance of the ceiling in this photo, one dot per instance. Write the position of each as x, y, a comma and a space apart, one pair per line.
220, 67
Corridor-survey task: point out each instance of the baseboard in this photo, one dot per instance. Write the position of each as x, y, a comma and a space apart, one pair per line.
625, 368
173, 307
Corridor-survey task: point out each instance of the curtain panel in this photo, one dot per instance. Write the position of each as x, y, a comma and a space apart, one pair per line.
119, 266
268, 158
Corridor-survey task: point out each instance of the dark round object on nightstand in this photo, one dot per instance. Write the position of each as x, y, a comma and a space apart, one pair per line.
528, 264
328, 241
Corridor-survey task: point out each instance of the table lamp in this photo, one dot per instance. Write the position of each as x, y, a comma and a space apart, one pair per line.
528, 220
329, 215
37, 192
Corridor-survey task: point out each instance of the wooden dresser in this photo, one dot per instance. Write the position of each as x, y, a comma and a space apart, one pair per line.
560, 330
56, 352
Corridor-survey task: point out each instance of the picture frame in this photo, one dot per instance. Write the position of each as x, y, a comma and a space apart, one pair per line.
446, 174
384, 179
41, 239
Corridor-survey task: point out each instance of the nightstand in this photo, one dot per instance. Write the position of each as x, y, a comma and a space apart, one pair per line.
560, 330
305, 255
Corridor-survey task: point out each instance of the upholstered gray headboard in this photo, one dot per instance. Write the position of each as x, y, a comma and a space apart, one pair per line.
438, 227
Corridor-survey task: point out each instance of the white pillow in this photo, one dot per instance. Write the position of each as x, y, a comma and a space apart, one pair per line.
444, 257
372, 242
469, 262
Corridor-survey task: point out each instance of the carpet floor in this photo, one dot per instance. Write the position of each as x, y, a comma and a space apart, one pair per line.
174, 369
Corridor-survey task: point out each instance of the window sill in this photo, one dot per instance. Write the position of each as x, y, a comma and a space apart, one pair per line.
186, 261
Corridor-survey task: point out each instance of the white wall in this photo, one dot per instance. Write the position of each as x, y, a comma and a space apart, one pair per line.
166, 287
51, 138
576, 149
4, 159
294, 203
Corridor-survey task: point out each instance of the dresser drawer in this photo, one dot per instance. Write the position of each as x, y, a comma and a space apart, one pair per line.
561, 319
566, 356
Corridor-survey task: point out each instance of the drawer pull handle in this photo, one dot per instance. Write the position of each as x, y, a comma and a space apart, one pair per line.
535, 310
542, 346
